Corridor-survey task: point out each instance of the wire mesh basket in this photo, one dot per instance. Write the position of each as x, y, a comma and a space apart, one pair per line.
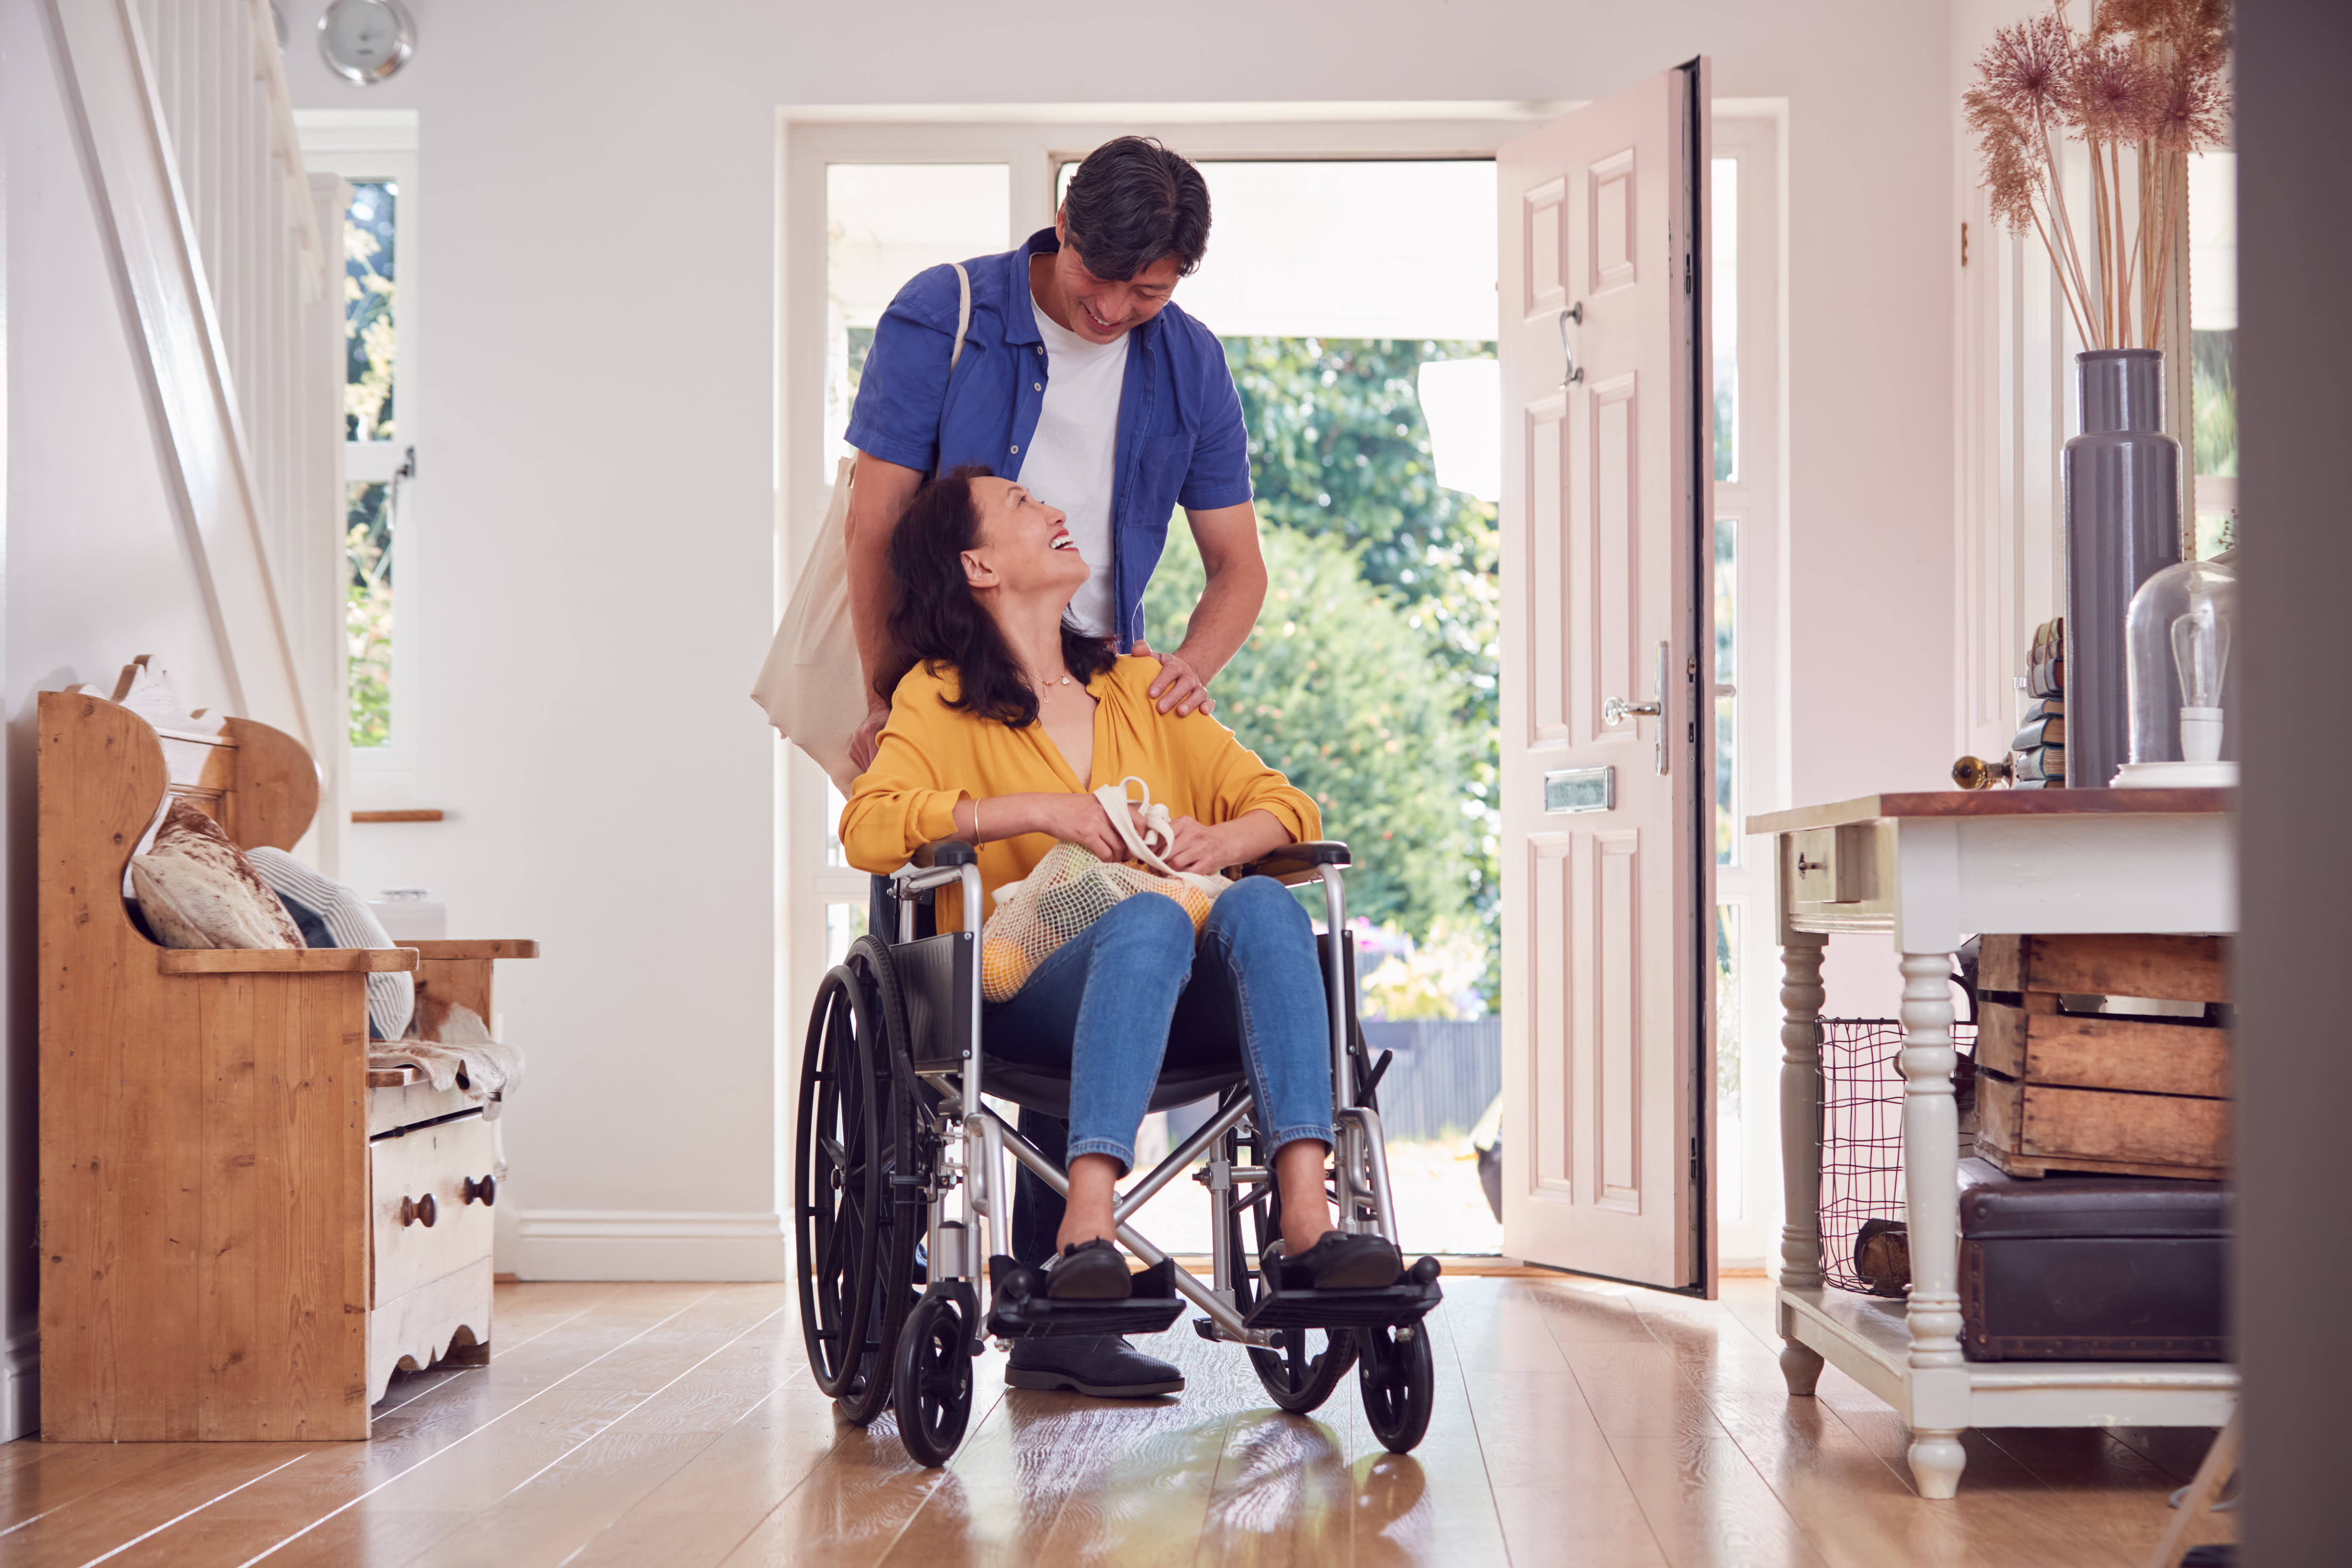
1862, 1140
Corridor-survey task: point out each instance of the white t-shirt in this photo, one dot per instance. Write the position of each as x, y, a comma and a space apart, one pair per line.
1073, 456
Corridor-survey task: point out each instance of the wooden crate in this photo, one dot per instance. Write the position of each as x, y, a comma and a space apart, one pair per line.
2032, 1129
2147, 1056
2167, 968
2114, 1094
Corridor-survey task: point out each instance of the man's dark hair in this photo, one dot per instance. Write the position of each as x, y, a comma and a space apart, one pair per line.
1132, 202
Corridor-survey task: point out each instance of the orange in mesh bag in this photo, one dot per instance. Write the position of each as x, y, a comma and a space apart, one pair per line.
1071, 888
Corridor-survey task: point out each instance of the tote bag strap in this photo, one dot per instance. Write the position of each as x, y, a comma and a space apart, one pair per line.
964, 324
1114, 803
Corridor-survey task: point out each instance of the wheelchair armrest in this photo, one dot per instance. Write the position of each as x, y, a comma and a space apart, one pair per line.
1299, 862
946, 852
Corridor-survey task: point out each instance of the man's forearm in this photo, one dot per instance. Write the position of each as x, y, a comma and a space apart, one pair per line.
882, 493
1221, 621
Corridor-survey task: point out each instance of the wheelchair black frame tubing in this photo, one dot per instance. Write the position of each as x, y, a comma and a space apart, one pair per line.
908, 881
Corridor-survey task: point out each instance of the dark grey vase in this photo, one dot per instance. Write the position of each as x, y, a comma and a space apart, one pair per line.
2123, 525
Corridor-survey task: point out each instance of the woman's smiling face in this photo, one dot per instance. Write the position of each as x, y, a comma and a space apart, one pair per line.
1022, 545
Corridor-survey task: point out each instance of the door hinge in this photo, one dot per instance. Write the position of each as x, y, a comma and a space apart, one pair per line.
1686, 271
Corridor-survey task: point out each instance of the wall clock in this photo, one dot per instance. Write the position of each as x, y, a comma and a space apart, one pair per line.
366, 40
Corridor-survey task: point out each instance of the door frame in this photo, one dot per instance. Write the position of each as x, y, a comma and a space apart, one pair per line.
1033, 140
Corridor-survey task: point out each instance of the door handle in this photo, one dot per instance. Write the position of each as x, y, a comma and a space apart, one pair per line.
1616, 711
1570, 370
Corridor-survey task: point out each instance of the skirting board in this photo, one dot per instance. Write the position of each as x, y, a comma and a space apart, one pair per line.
649, 1244
20, 1386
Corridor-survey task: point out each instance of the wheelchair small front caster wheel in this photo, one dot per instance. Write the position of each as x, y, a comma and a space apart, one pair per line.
1400, 1382
932, 1389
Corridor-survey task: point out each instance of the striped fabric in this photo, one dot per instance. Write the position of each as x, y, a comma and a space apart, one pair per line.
392, 999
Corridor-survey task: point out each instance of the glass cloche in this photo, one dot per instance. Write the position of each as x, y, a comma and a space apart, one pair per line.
2178, 637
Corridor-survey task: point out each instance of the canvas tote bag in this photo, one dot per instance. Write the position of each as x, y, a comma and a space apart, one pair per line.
812, 686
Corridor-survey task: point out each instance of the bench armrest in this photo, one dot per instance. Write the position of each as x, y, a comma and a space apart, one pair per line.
1299, 862
284, 960
476, 947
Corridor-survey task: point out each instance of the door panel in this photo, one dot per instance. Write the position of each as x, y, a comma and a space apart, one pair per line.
1550, 583
1548, 878
1606, 1002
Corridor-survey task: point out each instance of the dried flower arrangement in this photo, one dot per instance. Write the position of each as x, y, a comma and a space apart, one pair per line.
2148, 77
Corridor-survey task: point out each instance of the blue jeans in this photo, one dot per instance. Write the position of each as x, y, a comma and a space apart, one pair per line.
1134, 990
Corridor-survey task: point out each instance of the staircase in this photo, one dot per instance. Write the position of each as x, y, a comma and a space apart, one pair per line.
228, 253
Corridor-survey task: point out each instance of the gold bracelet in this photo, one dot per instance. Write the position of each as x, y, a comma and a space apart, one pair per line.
975, 822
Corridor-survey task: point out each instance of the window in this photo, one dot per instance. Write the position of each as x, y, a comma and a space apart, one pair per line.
2212, 343
375, 153
1750, 770
371, 421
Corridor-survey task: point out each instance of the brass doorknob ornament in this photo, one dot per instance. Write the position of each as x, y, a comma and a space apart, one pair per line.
1975, 773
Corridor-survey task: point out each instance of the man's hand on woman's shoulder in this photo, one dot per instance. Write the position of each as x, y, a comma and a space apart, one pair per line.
1178, 687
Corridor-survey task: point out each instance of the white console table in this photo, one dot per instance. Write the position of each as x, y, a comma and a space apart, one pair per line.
1931, 869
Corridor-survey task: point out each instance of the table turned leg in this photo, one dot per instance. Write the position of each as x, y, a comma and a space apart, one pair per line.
1800, 1141
1931, 1201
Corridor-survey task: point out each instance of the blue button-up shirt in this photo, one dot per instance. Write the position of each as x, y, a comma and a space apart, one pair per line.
1181, 441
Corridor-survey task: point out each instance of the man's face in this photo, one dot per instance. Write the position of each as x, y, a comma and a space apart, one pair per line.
1102, 310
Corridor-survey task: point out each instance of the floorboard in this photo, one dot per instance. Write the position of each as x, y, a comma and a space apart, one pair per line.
1574, 1421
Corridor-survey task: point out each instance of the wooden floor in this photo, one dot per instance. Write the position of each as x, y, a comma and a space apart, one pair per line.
676, 1424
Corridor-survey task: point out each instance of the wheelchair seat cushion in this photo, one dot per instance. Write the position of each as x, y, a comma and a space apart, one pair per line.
1047, 1090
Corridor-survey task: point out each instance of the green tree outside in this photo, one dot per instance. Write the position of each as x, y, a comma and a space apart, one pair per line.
1333, 688
370, 343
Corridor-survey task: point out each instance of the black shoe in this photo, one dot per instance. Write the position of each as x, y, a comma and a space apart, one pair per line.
1100, 1366
1337, 1262
1090, 1272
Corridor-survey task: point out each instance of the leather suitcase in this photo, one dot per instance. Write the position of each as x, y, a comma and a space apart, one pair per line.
2091, 1267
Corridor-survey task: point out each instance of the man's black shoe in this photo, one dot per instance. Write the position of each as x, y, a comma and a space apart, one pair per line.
1090, 1272
1100, 1366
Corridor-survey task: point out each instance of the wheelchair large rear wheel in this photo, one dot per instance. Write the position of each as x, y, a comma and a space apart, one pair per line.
1400, 1382
1301, 1371
855, 1228
932, 1385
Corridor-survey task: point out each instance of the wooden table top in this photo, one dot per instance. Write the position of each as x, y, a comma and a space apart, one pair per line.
1998, 802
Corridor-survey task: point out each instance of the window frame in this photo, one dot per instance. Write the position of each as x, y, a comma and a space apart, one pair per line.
1755, 500
1034, 143
371, 145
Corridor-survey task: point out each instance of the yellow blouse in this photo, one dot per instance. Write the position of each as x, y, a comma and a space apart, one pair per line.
931, 756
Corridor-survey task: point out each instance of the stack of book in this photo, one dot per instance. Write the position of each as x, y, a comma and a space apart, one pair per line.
2040, 748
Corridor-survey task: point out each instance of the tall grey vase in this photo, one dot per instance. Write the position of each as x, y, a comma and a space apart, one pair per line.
2123, 525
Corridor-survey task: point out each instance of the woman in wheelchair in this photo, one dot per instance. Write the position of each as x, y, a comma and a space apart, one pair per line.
1002, 721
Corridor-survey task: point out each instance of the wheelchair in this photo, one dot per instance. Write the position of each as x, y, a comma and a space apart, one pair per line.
899, 1163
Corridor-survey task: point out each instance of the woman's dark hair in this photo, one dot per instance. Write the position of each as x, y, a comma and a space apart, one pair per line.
1132, 202
937, 621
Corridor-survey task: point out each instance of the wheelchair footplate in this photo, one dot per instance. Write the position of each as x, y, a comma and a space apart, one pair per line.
1383, 1306
1019, 1308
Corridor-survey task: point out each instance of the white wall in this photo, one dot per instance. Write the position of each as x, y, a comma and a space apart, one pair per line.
596, 493
97, 568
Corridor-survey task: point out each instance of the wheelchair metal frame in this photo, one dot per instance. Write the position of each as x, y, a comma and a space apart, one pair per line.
971, 1179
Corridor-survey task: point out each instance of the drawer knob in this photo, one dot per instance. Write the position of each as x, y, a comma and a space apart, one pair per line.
419, 1211
1804, 865
484, 1192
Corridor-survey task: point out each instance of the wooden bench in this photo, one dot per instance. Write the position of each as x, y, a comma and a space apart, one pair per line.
241, 1238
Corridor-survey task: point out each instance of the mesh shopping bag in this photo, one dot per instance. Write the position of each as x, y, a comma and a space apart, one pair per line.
1071, 888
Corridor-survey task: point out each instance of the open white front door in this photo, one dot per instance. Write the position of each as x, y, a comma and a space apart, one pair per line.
1608, 869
